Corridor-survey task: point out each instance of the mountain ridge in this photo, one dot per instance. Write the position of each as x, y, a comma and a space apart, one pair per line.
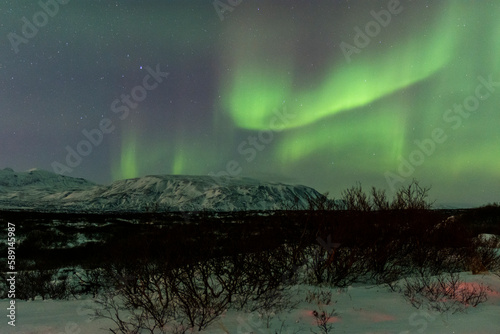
46, 191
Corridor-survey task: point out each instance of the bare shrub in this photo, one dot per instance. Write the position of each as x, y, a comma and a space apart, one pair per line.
192, 294
322, 319
346, 266
321, 203
203, 291
272, 303
444, 292
380, 200
319, 296
90, 281
355, 199
316, 267
340, 267
484, 256
46, 284
411, 197
113, 305
140, 299
254, 282
323, 300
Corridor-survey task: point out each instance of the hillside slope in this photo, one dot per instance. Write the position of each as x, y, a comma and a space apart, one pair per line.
46, 191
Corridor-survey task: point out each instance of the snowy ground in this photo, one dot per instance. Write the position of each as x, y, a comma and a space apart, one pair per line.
358, 309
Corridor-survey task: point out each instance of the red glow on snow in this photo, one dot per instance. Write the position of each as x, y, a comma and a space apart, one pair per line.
375, 316
466, 288
471, 286
493, 293
333, 319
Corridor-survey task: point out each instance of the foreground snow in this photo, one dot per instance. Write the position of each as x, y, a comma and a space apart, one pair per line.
358, 309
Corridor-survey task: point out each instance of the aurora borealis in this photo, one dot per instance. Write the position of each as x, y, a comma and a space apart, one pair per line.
274, 91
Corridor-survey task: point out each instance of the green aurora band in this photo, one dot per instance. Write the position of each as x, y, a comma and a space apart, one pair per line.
255, 91
139, 153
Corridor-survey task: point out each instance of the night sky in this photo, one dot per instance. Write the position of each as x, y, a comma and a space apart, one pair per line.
320, 93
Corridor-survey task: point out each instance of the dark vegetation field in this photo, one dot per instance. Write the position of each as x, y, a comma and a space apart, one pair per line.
48, 240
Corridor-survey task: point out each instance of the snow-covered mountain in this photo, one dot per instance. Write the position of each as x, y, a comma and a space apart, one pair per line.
46, 191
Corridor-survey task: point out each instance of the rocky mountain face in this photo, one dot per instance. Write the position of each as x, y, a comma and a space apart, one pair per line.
45, 191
